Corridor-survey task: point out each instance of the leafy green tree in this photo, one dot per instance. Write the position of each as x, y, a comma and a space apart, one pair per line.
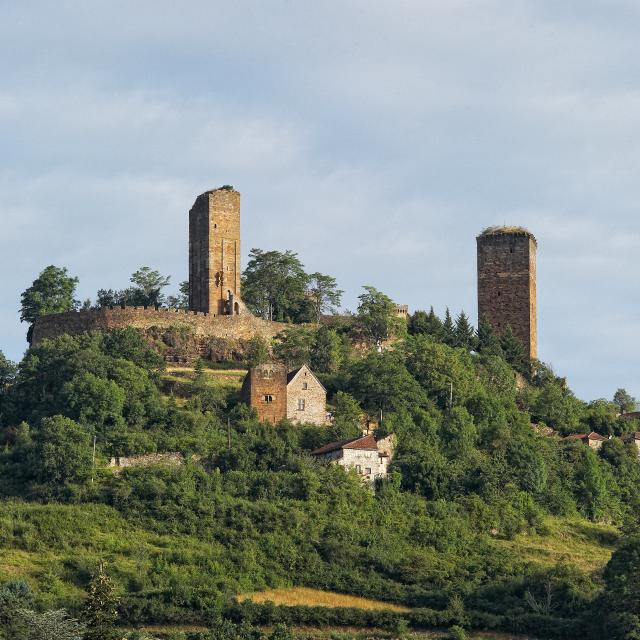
61, 453
8, 371
326, 352
275, 285
377, 315
624, 401
621, 598
128, 343
100, 610
50, 625
346, 417
324, 294
557, 407
52, 291
425, 323
146, 290
464, 333
293, 346
592, 488
257, 351
601, 416
381, 381
181, 301
14, 595
441, 370
458, 432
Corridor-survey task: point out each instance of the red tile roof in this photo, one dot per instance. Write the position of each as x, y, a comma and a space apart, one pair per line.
364, 442
633, 415
585, 436
634, 435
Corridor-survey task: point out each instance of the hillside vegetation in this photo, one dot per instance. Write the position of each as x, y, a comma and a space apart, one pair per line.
482, 523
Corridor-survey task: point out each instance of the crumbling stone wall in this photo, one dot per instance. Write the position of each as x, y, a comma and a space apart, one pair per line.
144, 460
507, 284
178, 335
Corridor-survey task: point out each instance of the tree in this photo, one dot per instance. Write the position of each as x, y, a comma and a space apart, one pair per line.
100, 610
51, 292
514, 351
464, 333
377, 315
293, 346
458, 432
448, 329
488, 342
425, 323
8, 371
145, 292
324, 294
346, 417
50, 625
624, 401
326, 351
592, 487
275, 285
181, 301
61, 452
148, 285
257, 351
621, 597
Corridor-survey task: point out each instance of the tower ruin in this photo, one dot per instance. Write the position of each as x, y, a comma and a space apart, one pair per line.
507, 283
214, 253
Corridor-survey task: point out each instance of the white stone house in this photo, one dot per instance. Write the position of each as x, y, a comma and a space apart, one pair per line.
369, 457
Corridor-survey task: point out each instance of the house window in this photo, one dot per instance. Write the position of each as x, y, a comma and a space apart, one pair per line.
268, 398
305, 386
268, 374
301, 404
358, 468
367, 471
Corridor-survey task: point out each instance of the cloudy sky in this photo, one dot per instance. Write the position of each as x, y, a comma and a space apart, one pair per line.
375, 138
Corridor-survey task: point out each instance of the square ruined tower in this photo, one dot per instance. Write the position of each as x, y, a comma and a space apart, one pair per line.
214, 252
507, 283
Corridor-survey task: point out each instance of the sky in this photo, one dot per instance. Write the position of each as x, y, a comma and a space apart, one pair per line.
374, 138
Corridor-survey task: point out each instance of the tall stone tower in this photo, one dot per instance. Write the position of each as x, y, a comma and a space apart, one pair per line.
507, 283
214, 253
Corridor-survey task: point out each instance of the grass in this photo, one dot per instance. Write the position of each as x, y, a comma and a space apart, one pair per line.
494, 231
584, 544
316, 598
178, 380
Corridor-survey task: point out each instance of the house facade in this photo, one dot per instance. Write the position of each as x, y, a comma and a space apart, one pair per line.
276, 394
593, 439
370, 458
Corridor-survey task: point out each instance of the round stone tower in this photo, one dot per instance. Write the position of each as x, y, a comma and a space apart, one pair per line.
507, 283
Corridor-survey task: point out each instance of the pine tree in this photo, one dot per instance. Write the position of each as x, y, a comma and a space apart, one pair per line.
101, 607
448, 329
428, 324
464, 333
514, 352
488, 342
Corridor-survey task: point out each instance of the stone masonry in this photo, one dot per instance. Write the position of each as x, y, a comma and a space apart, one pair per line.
265, 389
507, 283
214, 253
306, 397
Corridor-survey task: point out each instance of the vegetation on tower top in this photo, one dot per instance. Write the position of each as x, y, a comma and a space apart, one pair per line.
505, 230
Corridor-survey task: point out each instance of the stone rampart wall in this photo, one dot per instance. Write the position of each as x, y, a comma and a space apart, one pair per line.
202, 325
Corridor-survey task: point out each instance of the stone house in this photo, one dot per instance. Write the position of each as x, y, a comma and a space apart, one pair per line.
593, 439
369, 457
276, 394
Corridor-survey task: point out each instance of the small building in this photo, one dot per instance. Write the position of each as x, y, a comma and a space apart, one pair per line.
402, 311
369, 457
631, 415
593, 439
276, 394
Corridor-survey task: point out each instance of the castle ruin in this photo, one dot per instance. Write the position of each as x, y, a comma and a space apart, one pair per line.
507, 283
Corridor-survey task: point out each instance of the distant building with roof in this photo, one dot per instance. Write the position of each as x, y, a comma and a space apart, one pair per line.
634, 439
368, 456
276, 393
593, 439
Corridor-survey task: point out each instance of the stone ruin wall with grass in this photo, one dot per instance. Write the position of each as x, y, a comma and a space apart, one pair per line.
179, 335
